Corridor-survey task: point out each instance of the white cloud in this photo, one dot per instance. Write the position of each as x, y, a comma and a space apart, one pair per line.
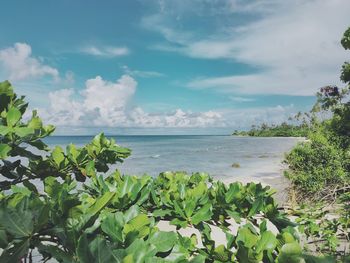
105, 51
242, 99
142, 73
279, 81
103, 94
101, 103
293, 45
106, 104
177, 118
18, 63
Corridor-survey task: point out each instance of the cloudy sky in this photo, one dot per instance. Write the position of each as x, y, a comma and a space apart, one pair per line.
190, 66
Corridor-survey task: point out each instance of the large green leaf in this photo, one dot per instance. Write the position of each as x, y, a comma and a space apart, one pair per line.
3, 238
246, 255
202, 214
13, 116
163, 241
72, 152
247, 237
90, 169
290, 253
198, 259
139, 223
101, 252
18, 223
190, 205
90, 214
100, 203
57, 155
256, 207
267, 241
131, 213
233, 192
138, 252
4, 150
178, 208
221, 253
4, 130
6, 94
35, 123
112, 225
127, 185
23, 131
83, 251
179, 223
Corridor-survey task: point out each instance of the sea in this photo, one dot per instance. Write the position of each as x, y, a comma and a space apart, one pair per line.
218, 156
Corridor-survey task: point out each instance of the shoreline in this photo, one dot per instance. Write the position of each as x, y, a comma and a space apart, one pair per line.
289, 137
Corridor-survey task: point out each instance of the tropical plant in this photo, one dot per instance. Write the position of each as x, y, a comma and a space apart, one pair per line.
284, 129
319, 170
316, 166
322, 164
67, 205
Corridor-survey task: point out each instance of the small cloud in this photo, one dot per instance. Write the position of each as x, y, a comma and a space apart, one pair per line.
242, 99
18, 63
69, 77
141, 73
105, 51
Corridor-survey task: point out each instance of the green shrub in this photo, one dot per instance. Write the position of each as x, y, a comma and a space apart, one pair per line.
282, 130
114, 218
322, 165
316, 164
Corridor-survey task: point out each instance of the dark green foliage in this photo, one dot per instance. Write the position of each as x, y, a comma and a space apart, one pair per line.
345, 41
16, 135
114, 218
319, 170
282, 130
321, 164
315, 165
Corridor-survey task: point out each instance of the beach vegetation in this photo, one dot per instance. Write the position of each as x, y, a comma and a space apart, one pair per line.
321, 165
71, 206
281, 130
319, 171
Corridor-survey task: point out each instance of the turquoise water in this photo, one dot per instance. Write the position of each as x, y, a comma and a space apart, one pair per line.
212, 154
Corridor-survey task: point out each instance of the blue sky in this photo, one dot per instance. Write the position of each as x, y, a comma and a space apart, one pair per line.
170, 65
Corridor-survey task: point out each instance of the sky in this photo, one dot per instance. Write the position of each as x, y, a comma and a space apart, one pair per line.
170, 66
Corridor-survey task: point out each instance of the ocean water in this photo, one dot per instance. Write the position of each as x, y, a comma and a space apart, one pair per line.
257, 157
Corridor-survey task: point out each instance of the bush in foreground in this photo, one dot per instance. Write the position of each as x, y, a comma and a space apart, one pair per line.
112, 218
